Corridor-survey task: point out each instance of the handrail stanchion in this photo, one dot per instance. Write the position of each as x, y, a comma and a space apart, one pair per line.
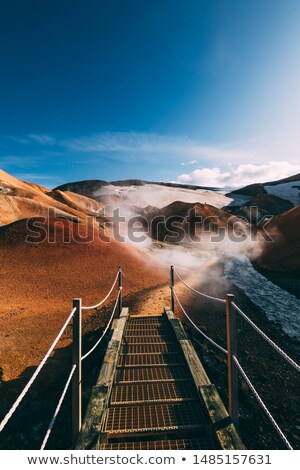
232, 368
76, 380
120, 289
172, 288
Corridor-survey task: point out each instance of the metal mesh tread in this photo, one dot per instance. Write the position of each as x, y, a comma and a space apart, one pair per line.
152, 374
150, 418
173, 444
151, 322
153, 396
153, 392
149, 348
151, 339
143, 326
150, 360
132, 316
150, 331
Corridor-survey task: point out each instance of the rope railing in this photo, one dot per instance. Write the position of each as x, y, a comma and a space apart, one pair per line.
78, 358
198, 292
57, 409
262, 404
105, 298
233, 364
196, 327
263, 335
36, 373
75, 373
104, 332
254, 326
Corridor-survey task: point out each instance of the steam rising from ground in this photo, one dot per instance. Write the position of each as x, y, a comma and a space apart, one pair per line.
204, 259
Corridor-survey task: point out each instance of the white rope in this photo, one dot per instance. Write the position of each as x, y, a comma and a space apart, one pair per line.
52, 422
197, 292
104, 332
198, 329
102, 301
36, 373
277, 348
263, 406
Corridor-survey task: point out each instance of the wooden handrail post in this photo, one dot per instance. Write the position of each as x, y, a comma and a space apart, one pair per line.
76, 380
172, 288
120, 291
232, 368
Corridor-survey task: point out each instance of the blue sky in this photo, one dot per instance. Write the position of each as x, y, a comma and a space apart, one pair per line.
198, 91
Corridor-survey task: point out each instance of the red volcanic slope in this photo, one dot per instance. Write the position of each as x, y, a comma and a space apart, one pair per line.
20, 200
201, 217
39, 281
283, 255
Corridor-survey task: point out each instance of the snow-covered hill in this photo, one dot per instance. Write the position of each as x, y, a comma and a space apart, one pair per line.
159, 195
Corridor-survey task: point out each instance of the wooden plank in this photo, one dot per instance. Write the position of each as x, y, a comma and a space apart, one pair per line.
192, 359
169, 313
119, 329
89, 435
124, 312
225, 431
229, 438
213, 404
178, 329
109, 364
197, 370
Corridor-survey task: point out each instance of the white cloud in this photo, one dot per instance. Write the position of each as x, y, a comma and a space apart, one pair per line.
18, 139
241, 176
152, 144
33, 177
42, 139
191, 162
218, 165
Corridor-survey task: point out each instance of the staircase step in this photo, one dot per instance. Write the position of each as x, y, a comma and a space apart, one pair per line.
146, 321
147, 419
153, 392
168, 444
149, 348
160, 330
152, 374
151, 339
150, 360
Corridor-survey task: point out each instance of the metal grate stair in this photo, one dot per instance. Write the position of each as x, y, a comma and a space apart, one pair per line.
167, 444
153, 396
152, 392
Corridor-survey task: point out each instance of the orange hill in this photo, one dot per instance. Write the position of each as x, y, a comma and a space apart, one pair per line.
19, 200
193, 218
38, 282
283, 255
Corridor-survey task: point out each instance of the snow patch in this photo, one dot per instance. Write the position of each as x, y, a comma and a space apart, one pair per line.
280, 306
160, 196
